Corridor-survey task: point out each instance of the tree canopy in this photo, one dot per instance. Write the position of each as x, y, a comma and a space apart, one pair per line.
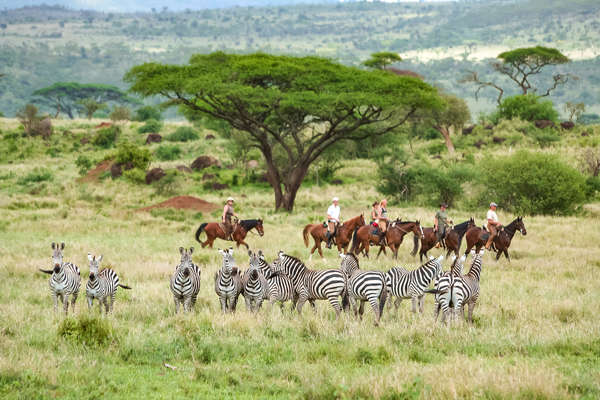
382, 59
292, 108
68, 96
454, 114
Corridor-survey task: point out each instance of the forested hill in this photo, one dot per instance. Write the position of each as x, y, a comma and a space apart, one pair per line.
43, 45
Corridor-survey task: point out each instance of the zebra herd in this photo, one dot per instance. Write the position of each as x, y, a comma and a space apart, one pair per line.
288, 279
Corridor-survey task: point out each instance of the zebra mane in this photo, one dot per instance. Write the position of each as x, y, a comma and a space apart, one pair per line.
294, 259
353, 256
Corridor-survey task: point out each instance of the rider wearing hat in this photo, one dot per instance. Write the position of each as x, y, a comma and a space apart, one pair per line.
333, 220
228, 212
440, 223
493, 225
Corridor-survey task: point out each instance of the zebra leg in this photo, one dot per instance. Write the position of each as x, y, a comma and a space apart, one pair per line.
176, 304
55, 298
375, 306
353, 305
112, 302
90, 301
73, 300
471, 309
301, 300
248, 303
66, 303
421, 303
397, 302
414, 304
361, 310
106, 305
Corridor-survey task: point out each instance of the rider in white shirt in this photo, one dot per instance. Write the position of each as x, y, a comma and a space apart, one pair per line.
333, 220
493, 225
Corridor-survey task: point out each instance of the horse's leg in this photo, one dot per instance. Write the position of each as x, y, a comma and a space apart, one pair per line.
320, 250
367, 248
380, 250
505, 251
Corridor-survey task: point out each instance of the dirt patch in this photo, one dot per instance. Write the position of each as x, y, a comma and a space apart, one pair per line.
94, 174
184, 203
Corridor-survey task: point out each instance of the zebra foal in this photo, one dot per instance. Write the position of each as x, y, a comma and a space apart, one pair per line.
65, 280
465, 288
228, 283
442, 287
280, 286
254, 284
102, 285
185, 282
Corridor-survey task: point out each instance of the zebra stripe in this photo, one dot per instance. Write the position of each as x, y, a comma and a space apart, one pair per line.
281, 288
442, 287
65, 280
185, 282
465, 288
255, 287
364, 286
312, 284
406, 284
102, 285
228, 284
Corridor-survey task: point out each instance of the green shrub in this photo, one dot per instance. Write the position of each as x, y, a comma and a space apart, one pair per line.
84, 164
169, 184
527, 107
168, 152
533, 183
146, 113
86, 329
183, 134
129, 153
135, 175
36, 176
106, 137
545, 137
151, 126
120, 113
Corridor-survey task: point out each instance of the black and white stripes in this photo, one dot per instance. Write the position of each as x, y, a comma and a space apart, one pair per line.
228, 283
185, 282
65, 280
102, 285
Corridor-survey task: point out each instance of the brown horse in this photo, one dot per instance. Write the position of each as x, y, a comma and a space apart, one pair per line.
477, 237
215, 230
342, 235
454, 236
395, 234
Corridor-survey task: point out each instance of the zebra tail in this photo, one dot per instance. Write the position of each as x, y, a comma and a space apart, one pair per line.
382, 299
435, 291
124, 286
47, 271
354, 241
199, 231
416, 245
305, 234
345, 299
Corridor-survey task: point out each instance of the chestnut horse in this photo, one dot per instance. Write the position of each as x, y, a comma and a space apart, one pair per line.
395, 234
214, 230
364, 237
342, 235
477, 237
454, 236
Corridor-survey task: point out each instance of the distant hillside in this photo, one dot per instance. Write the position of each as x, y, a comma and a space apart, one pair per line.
42, 45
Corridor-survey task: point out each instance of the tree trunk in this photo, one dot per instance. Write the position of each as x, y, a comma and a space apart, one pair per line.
446, 134
284, 199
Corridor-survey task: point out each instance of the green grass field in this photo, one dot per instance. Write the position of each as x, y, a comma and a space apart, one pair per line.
536, 331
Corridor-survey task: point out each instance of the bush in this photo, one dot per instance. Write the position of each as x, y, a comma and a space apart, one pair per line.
84, 164
130, 154
36, 176
120, 113
169, 184
183, 134
168, 152
135, 175
86, 329
147, 113
545, 137
151, 126
527, 107
106, 137
534, 183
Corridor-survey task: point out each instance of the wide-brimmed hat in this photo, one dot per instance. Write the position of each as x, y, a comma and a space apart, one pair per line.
335, 199
492, 204
444, 205
230, 198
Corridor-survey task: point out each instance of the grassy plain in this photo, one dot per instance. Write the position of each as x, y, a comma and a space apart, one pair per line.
536, 331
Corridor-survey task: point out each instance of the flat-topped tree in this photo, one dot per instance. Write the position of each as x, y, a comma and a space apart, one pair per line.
291, 108
382, 59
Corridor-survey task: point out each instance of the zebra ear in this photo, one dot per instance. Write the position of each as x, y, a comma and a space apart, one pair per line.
342, 255
249, 253
62, 246
221, 252
191, 250
90, 257
230, 250
100, 258
53, 245
181, 250
260, 254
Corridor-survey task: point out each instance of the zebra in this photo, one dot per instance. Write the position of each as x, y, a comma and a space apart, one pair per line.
65, 280
254, 284
102, 285
228, 283
442, 287
312, 284
364, 286
185, 282
465, 288
406, 284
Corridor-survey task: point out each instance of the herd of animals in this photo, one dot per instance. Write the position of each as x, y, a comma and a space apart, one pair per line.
288, 279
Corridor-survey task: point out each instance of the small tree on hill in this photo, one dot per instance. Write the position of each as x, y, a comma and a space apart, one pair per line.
382, 59
120, 113
574, 110
454, 115
90, 106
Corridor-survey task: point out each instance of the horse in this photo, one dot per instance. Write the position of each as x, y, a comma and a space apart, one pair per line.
395, 234
342, 235
477, 237
454, 236
363, 237
215, 230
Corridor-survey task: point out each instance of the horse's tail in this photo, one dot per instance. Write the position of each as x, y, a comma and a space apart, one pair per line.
354, 241
199, 231
415, 245
305, 234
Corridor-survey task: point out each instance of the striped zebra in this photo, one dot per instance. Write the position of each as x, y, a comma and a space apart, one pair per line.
465, 288
364, 286
228, 283
65, 280
442, 287
406, 284
185, 282
281, 287
102, 285
309, 284
254, 284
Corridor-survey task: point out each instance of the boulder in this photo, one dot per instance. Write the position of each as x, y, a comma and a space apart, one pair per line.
568, 125
479, 143
153, 138
467, 130
155, 174
204, 162
116, 170
544, 123
208, 177
498, 139
336, 182
209, 137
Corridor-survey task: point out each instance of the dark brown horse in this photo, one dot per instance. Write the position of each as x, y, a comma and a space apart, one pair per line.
477, 237
342, 235
364, 237
454, 236
395, 234
215, 230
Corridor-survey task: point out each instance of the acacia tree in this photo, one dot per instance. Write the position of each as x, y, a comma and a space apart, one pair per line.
382, 59
291, 108
90, 106
520, 65
453, 115
67, 96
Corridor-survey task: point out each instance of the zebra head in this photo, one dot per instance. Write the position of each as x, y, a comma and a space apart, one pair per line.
228, 261
57, 256
254, 261
349, 263
186, 259
438, 266
94, 265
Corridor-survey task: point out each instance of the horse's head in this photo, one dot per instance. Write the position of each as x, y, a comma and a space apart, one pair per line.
471, 223
259, 227
361, 220
418, 229
521, 226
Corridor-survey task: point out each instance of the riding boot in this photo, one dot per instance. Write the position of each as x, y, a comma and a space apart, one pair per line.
329, 236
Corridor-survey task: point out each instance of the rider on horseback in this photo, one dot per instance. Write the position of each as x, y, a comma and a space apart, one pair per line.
228, 212
333, 220
374, 215
493, 225
382, 219
440, 223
